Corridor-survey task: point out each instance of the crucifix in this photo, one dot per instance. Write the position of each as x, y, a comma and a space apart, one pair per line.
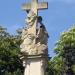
35, 6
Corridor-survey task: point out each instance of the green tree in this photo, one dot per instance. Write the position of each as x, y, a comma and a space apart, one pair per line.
65, 52
10, 63
55, 66
67, 37
65, 48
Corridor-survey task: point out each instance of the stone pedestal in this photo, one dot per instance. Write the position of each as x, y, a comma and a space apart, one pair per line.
35, 64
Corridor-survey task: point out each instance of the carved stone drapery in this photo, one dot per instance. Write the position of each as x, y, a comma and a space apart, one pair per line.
28, 46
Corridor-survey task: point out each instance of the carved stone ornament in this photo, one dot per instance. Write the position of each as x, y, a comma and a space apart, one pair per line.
31, 17
28, 46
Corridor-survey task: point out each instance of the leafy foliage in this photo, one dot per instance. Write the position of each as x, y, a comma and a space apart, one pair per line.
65, 49
66, 38
10, 63
55, 66
65, 54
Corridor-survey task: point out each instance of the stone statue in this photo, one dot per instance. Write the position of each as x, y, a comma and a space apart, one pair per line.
34, 47
28, 46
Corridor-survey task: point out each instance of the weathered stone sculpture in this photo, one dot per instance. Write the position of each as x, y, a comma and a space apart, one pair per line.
35, 38
31, 18
28, 46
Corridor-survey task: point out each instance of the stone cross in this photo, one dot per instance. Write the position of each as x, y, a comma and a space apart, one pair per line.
35, 6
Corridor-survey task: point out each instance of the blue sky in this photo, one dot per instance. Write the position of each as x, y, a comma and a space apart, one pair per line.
59, 17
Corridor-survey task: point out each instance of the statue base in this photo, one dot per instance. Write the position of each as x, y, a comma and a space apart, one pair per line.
35, 64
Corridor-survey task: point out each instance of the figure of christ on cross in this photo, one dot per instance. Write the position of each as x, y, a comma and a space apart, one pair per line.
34, 6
